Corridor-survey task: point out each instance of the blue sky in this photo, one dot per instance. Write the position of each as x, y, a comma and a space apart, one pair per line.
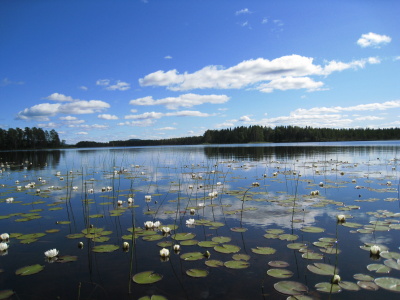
102, 70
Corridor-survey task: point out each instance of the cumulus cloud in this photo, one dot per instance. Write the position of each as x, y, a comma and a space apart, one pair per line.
119, 85
186, 100
245, 119
158, 115
373, 40
86, 126
82, 133
166, 128
243, 11
291, 71
107, 117
45, 110
59, 97
140, 123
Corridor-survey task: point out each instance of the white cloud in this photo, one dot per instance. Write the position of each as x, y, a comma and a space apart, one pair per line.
264, 21
59, 97
6, 82
373, 40
141, 123
168, 57
291, 83
83, 88
369, 118
243, 11
48, 125
186, 100
245, 119
107, 117
254, 72
68, 118
45, 110
158, 115
82, 133
119, 85
86, 126
166, 128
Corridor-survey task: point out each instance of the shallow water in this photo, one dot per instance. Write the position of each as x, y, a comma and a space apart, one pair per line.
359, 180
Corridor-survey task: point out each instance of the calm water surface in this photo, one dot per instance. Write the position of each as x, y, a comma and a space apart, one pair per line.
260, 188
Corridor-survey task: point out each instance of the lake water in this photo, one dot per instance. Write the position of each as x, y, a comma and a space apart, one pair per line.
266, 214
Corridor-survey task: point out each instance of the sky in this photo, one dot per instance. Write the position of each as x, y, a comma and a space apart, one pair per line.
157, 69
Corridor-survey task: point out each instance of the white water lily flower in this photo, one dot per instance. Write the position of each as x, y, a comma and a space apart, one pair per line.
375, 250
148, 224
164, 252
119, 202
321, 184
4, 236
156, 224
166, 230
125, 245
3, 246
51, 253
192, 211
177, 247
109, 188
74, 188
190, 222
10, 200
341, 218
336, 279
147, 198
255, 184
130, 200
19, 188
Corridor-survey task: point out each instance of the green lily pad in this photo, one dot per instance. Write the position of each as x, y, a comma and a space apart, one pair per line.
275, 231
154, 237
197, 273
391, 263
368, 285
29, 270
52, 230
312, 255
67, 258
227, 248
75, 235
214, 263
388, 283
236, 264
165, 244
296, 246
221, 239
101, 239
105, 248
280, 273
96, 216
244, 257
363, 277
5, 294
146, 277
192, 256
312, 229
207, 244
189, 242
328, 287
238, 229
290, 288
323, 269
378, 268
278, 264
263, 250
349, 286
183, 236
288, 237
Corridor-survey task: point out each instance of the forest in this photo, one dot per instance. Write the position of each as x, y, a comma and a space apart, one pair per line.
261, 134
37, 138
29, 138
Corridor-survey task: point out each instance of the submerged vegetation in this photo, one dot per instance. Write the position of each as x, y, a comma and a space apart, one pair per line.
179, 223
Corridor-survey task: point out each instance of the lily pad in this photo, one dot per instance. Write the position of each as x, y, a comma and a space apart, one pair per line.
29, 270
349, 286
328, 287
244, 257
312, 255
192, 256
214, 263
5, 294
208, 244
323, 269
280, 273
105, 248
290, 287
312, 229
154, 237
154, 297
368, 285
189, 242
183, 236
388, 283
197, 273
296, 246
146, 277
227, 248
165, 244
363, 277
288, 237
263, 250
236, 264
378, 268
278, 264
238, 229
221, 239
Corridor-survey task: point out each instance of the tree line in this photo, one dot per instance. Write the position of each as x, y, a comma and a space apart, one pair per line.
29, 138
263, 134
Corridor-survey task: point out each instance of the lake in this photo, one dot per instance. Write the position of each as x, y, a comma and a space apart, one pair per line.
253, 221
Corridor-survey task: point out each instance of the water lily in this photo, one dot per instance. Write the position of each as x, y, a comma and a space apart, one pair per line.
166, 230
156, 224
336, 279
321, 184
207, 254
3, 246
341, 218
19, 188
119, 202
255, 184
190, 222
192, 211
148, 224
4, 236
375, 250
125, 246
10, 200
80, 245
177, 247
51, 253
147, 198
130, 200
164, 252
